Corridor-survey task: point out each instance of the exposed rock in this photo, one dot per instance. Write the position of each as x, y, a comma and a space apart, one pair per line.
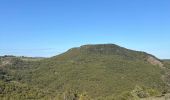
5, 61
155, 61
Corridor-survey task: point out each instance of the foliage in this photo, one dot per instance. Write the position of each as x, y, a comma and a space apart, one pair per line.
17, 91
97, 72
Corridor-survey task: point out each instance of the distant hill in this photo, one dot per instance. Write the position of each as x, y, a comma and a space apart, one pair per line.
91, 72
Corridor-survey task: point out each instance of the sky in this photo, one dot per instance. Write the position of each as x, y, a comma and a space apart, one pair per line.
49, 27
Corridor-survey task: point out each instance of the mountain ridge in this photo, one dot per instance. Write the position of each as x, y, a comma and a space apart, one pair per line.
98, 72
113, 49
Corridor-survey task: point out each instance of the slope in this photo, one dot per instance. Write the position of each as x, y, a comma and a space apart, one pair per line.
104, 71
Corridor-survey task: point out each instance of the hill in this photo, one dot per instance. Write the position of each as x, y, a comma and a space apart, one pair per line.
98, 72
167, 63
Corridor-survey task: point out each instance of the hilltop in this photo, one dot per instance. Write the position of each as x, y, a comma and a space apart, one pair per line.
98, 72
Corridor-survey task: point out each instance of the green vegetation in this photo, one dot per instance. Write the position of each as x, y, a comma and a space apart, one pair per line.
90, 72
17, 91
167, 63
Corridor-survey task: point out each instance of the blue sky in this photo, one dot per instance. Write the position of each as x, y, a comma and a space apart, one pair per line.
50, 27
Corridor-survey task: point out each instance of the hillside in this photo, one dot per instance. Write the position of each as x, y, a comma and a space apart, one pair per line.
98, 72
167, 63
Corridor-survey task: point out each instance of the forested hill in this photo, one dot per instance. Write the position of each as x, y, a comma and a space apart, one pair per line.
89, 72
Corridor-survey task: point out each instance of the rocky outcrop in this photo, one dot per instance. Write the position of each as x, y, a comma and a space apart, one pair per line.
6, 61
154, 61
